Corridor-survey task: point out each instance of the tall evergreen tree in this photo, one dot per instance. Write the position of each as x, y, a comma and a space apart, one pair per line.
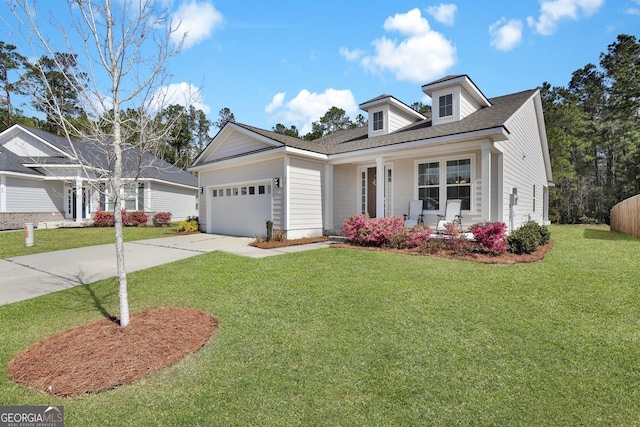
10, 61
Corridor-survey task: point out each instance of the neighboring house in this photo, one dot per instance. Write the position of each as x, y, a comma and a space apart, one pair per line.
46, 179
491, 153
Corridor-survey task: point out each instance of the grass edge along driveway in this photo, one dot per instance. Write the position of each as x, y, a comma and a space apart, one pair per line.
12, 243
349, 337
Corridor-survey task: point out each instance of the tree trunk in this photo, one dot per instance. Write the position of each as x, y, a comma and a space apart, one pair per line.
117, 217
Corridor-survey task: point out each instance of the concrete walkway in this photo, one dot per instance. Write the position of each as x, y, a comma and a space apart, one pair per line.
29, 276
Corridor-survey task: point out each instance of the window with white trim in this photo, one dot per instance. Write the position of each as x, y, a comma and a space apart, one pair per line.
445, 105
459, 181
131, 195
429, 185
534, 197
378, 120
439, 181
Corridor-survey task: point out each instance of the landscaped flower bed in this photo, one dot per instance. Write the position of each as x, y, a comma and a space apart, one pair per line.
484, 242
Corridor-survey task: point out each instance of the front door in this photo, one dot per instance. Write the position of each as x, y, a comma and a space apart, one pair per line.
371, 192
72, 203
369, 183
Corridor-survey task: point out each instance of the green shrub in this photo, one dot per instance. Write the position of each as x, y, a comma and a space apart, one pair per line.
527, 238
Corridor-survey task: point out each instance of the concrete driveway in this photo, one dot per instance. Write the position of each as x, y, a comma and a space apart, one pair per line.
29, 276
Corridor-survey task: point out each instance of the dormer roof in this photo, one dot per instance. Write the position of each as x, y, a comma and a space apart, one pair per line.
462, 80
399, 105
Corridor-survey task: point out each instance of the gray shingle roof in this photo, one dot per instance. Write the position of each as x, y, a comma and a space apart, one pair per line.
350, 140
99, 156
9, 162
486, 118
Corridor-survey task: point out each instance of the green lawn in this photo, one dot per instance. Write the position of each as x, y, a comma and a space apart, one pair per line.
12, 242
354, 338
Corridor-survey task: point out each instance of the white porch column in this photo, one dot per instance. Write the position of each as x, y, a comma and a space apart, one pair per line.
284, 187
3, 193
328, 197
78, 199
380, 187
487, 197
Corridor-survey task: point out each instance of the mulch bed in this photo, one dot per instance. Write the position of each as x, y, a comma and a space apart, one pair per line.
283, 243
503, 258
102, 355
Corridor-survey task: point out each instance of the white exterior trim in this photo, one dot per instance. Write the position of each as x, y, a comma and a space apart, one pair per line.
3, 193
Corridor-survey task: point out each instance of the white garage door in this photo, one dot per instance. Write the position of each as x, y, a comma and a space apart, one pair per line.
241, 210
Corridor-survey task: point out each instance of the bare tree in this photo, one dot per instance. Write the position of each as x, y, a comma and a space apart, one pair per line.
121, 48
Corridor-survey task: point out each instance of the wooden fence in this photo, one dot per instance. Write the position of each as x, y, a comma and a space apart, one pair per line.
625, 216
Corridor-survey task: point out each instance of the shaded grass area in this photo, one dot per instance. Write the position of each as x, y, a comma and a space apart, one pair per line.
349, 337
12, 242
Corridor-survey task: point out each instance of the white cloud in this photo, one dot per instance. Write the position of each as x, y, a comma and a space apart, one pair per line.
197, 20
351, 55
184, 94
554, 11
443, 13
276, 102
410, 24
308, 107
421, 56
633, 10
506, 35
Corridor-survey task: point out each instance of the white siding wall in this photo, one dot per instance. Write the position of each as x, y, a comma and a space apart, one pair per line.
467, 104
236, 143
404, 187
305, 198
259, 171
181, 202
28, 195
345, 193
524, 166
396, 120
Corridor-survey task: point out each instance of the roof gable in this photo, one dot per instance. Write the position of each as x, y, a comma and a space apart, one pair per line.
232, 140
24, 141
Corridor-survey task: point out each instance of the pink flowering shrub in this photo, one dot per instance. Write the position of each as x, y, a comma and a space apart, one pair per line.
491, 236
383, 232
105, 218
137, 218
102, 218
355, 227
451, 229
418, 235
162, 218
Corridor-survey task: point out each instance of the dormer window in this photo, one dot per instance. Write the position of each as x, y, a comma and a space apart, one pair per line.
446, 105
378, 122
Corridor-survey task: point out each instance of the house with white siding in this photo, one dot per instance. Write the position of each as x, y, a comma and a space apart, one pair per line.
490, 153
48, 179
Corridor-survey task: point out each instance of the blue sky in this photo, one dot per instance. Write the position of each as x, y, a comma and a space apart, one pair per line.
289, 62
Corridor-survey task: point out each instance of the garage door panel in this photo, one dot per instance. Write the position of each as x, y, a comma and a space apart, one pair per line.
243, 214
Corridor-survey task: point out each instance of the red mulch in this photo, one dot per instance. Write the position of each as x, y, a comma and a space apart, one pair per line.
102, 355
503, 258
282, 243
